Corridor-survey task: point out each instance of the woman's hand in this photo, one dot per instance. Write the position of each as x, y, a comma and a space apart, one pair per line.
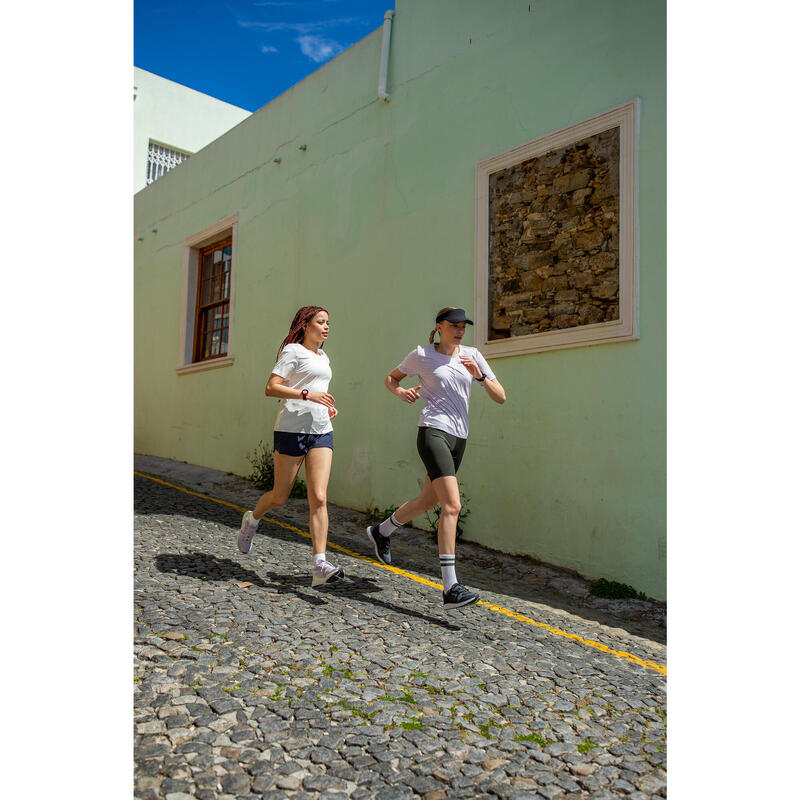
471, 366
323, 398
409, 395
332, 412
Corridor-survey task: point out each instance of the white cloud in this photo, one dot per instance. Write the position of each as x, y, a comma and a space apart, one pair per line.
319, 49
301, 27
266, 48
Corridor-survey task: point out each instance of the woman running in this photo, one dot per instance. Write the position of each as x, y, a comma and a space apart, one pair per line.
446, 372
303, 431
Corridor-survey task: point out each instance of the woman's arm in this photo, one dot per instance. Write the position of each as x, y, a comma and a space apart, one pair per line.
392, 383
493, 387
495, 390
276, 388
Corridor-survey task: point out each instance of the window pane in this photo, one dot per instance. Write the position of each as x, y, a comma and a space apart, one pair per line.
215, 343
217, 289
224, 345
226, 286
207, 266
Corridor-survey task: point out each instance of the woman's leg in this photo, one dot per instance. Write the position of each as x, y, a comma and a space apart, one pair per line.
424, 501
318, 471
446, 489
455, 595
286, 468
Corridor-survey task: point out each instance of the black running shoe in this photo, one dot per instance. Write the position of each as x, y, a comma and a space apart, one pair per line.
458, 596
381, 544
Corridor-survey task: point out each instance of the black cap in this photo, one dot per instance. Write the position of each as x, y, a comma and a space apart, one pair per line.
454, 315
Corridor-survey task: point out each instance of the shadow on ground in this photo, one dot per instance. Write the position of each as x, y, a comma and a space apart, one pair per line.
208, 567
157, 499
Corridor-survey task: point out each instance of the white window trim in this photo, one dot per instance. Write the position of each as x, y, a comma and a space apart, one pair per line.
626, 117
191, 249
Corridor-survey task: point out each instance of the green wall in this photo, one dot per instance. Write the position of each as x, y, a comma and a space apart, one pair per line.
375, 222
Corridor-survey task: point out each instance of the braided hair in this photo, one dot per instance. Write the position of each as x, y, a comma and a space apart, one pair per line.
301, 318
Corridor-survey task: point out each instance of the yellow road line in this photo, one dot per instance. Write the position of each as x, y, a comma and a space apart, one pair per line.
661, 669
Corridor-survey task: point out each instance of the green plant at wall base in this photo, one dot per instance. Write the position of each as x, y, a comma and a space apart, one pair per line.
374, 515
615, 590
263, 471
433, 516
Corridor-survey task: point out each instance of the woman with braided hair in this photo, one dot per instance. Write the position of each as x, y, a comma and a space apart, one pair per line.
303, 432
446, 370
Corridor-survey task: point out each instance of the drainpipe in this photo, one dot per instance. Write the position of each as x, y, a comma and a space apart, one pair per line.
387, 35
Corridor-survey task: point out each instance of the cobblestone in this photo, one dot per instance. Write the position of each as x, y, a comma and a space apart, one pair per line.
367, 689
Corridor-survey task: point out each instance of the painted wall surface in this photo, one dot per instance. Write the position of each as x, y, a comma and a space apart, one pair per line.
375, 222
176, 116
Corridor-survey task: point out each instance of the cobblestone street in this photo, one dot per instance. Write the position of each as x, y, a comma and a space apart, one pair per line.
249, 683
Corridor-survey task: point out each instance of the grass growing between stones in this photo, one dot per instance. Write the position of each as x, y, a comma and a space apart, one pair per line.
532, 737
585, 746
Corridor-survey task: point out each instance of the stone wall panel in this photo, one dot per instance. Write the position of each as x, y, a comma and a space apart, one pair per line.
554, 239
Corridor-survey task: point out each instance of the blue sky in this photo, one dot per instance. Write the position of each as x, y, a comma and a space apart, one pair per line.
247, 53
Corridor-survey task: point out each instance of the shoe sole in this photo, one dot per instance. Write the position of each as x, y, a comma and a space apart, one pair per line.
375, 547
241, 531
334, 577
452, 606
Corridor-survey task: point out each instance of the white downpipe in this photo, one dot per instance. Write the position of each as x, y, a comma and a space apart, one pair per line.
387, 36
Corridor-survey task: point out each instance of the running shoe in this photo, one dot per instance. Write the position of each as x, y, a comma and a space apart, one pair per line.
458, 596
380, 543
246, 532
325, 572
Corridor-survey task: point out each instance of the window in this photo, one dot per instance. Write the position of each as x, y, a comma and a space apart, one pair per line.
209, 270
556, 239
213, 301
161, 159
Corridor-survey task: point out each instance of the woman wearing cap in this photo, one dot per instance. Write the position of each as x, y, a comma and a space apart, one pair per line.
303, 432
446, 369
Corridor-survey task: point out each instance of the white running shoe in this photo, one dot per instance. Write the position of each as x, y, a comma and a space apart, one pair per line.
246, 532
325, 572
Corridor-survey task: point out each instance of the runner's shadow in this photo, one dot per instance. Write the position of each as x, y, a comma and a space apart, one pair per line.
208, 567
361, 590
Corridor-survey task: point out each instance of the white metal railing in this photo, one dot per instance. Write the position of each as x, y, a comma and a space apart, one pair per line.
162, 159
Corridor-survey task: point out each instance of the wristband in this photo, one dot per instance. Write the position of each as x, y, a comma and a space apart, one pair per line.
304, 394
482, 378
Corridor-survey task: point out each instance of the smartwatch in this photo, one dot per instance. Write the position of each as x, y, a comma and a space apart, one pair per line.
482, 378
304, 394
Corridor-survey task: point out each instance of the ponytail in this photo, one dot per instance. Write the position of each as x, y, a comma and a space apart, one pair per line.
438, 314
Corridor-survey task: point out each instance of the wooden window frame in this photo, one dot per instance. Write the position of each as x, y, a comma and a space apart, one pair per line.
193, 247
201, 308
626, 117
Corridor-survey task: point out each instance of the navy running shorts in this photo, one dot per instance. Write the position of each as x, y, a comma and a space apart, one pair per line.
298, 444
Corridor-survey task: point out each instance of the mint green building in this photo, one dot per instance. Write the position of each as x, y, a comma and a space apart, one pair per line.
375, 208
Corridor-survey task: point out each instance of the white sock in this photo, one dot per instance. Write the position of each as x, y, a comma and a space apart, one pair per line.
252, 521
389, 526
448, 565
318, 557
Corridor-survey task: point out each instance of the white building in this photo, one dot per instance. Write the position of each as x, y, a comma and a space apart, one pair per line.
171, 122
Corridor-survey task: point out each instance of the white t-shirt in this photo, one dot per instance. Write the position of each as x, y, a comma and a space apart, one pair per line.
446, 385
302, 369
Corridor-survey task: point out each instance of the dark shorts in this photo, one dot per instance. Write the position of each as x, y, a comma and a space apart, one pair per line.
298, 444
441, 452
